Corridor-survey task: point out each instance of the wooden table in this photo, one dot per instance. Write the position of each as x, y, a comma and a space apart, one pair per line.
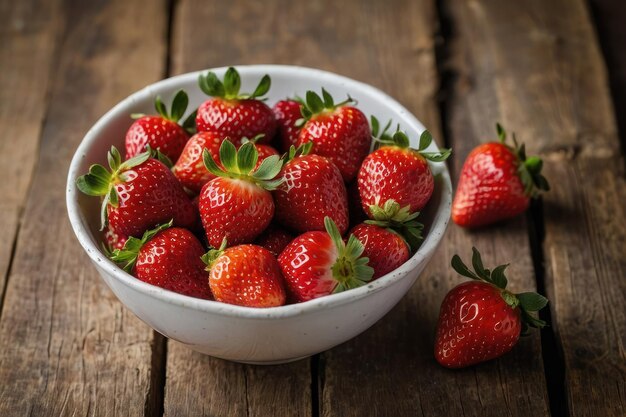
68, 347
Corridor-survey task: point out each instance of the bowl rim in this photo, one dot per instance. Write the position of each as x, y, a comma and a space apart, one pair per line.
81, 230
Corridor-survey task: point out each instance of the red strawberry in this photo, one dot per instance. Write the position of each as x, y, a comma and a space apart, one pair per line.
245, 275
385, 249
316, 264
139, 194
232, 114
312, 189
237, 205
169, 258
397, 172
189, 169
338, 131
274, 239
287, 113
388, 238
113, 240
160, 132
496, 183
480, 320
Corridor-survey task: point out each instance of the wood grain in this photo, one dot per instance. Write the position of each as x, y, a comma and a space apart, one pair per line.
538, 67
28, 34
67, 346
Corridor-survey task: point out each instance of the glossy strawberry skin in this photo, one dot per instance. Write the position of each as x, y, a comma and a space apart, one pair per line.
275, 239
489, 188
162, 134
114, 240
475, 325
189, 168
306, 264
172, 260
343, 136
287, 112
236, 119
247, 275
235, 209
386, 250
313, 188
150, 196
395, 173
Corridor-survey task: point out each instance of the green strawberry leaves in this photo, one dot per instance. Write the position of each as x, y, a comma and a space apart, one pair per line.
401, 140
229, 88
350, 270
211, 256
529, 169
100, 182
179, 106
314, 104
527, 301
398, 220
128, 254
240, 164
293, 152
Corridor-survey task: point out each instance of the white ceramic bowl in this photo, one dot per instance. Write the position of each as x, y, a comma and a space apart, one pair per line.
272, 335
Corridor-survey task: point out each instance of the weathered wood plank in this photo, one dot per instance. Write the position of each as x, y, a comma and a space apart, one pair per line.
539, 68
67, 347
28, 31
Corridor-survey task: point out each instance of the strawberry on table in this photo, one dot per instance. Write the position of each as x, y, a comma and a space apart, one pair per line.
339, 132
245, 275
233, 114
139, 194
168, 257
389, 238
237, 205
480, 319
397, 172
189, 168
161, 132
317, 263
275, 239
287, 113
497, 182
312, 189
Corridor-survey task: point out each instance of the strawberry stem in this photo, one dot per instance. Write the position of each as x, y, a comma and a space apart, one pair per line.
229, 88
398, 220
350, 270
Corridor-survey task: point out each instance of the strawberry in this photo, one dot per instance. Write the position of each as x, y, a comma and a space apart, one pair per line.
397, 172
113, 240
160, 132
384, 248
237, 204
312, 189
481, 320
389, 237
139, 194
317, 263
497, 182
287, 113
339, 132
168, 257
274, 239
189, 168
245, 275
232, 114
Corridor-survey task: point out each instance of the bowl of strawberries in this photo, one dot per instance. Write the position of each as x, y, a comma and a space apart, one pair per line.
257, 214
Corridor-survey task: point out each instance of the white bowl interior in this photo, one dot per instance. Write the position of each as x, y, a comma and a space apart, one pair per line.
287, 81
